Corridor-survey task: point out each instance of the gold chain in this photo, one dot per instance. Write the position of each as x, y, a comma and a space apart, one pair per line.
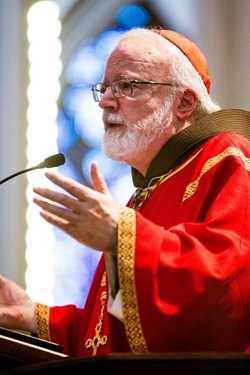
98, 339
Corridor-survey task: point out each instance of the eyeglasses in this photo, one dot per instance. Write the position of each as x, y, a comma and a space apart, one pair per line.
122, 87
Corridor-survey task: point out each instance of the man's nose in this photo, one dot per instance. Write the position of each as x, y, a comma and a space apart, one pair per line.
109, 100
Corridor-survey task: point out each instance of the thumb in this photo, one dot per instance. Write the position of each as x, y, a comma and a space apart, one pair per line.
98, 179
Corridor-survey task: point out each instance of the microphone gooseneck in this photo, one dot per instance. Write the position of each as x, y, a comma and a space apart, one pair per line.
50, 162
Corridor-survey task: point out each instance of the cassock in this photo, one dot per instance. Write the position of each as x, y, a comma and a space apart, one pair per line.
182, 271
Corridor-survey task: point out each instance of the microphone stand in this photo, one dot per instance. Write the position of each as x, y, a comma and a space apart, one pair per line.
50, 162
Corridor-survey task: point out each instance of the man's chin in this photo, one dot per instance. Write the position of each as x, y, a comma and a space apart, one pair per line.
112, 154
120, 147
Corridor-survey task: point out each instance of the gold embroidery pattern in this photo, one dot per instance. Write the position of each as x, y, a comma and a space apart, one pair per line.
126, 249
192, 187
42, 320
141, 195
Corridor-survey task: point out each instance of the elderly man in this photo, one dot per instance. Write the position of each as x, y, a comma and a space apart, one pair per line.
174, 274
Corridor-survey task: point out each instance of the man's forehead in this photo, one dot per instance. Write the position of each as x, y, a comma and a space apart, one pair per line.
128, 66
130, 56
124, 61
137, 56
139, 46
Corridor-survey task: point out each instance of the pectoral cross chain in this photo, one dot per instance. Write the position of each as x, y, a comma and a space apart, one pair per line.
97, 340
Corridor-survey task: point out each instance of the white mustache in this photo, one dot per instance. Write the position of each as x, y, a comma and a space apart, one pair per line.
113, 118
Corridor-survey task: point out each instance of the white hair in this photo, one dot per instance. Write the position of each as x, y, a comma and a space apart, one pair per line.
183, 72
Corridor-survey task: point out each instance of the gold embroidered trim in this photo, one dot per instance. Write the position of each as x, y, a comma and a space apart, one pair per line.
126, 254
42, 321
192, 187
142, 195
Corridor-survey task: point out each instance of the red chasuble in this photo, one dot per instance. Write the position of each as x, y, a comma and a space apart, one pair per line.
183, 264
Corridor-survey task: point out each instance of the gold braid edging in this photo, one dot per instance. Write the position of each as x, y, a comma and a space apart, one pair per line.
191, 188
126, 255
42, 321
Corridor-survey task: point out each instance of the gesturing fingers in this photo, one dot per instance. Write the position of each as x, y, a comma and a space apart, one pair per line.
88, 215
74, 188
98, 179
60, 198
65, 209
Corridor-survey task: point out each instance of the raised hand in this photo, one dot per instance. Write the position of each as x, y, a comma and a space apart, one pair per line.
88, 215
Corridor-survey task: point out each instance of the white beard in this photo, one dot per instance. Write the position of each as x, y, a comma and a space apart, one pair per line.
129, 141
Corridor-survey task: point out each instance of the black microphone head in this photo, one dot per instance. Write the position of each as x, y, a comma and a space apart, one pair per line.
53, 161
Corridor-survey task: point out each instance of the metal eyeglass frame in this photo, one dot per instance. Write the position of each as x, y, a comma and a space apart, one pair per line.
117, 90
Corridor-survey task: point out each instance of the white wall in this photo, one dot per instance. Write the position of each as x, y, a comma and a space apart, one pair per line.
13, 104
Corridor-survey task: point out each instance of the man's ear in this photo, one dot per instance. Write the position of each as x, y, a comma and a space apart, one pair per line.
187, 105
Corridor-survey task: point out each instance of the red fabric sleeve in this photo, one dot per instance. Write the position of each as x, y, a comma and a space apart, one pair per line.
64, 327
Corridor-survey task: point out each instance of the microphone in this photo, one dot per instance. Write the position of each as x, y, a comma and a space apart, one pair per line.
50, 162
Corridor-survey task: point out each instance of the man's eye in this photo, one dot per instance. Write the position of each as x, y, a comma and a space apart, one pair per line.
125, 85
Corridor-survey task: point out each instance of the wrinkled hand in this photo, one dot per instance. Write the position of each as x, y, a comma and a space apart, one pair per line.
88, 215
16, 308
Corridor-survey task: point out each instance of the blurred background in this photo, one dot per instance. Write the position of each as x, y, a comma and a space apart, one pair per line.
51, 53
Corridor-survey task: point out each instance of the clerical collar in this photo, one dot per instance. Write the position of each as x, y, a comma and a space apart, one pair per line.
182, 144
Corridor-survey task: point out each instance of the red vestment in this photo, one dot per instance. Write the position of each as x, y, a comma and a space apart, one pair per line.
183, 263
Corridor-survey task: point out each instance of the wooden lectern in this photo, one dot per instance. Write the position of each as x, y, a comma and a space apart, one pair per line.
19, 349
23, 354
